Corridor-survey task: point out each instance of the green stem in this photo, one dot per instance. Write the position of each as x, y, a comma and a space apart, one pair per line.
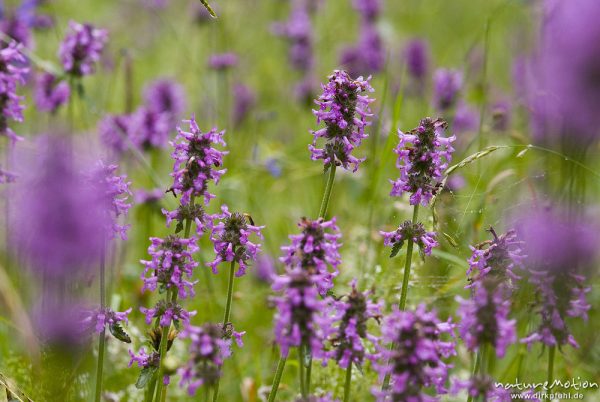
404, 291
308, 372
149, 394
475, 370
277, 379
484, 355
327, 194
301, 371
102, 345
162, 350
227, 316
348, 381
551, 353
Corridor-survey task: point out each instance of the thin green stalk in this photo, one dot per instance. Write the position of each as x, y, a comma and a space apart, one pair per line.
475, 370
327, 194
277, 379
483, 365
149, 394
227, 315
348, 381
308, 372
551, 353
162, 350
301, 371
102, 345
404, 291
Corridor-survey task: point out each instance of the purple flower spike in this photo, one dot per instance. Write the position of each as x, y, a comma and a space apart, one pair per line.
314, 251
143, 359
446, 86
6, 176
81, 48
368, 55
298, 31
51, 93
484, 317
196, 161
12, 74
423, 155
231, 240
114, 132
171, 264
223, 61
352, 315
408, 230
166, 96
149, 129
417, 360
210, 346
106, 317
484, 388
368, 9
243, 103
417, 59
166, 312
344, 111
302, 316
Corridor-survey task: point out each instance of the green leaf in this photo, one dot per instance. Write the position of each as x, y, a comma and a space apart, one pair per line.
179, 227
118, 332
396, 248
208, 8
145, 376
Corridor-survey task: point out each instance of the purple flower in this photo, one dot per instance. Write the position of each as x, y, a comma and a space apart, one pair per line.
446, 87
6, 176
368, 9
244, 101
298, 31
189, 213
166, 312
496, 258
344, 111
501, 111
484, 317
423, 155
61, 221
171, 264
302, 316
408, 230
265, 268
165, 96
367, 56
416, 361
231, 240
352, 315
17, 29
102, 318
51, 93
195, 162
144, 359
314, 251
417, 57
484, 388
149, 129
81, 48
152, 196
210, 346
223, 61
12, 74
465, 119
114, 131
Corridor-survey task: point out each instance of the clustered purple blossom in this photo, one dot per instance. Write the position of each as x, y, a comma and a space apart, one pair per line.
81, 48
231, 240
195, 162
114, 132
446, 88
417, 60
302, 317
165, 96
344, 110
106, 317
210, 346
299, 33
244, 101
423, 155
166, 312
148, 129
409, 230
50, 92
223, 61
6, 176
12, 74
352, 315
483, 387
172, 261
416, 360
314, 251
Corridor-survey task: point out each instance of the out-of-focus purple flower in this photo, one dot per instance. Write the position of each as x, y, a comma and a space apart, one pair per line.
456, 182
367, 56
564, 86
417, 58
50, 93
223, 61
559, 253
465, 119
149, 129
352, 314
61, 222
114, 131
299, 33
368, 9
314, 251
166, 312
195, 162
143, 196
496, 258
156, 4
312, 398
166, 96
483, 388
17, 29
27, 12
501, 111
265, 268
416, 361
231, 240
244, 101
210, 346
423, 155
6, 176
172, 262
408, 230
302, 317
446, 87
200, 14
273, 167
12, 74
345, 112
81, 48
305, 90
484, 317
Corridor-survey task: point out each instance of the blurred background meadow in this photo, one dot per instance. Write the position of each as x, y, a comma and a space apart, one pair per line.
262, 96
